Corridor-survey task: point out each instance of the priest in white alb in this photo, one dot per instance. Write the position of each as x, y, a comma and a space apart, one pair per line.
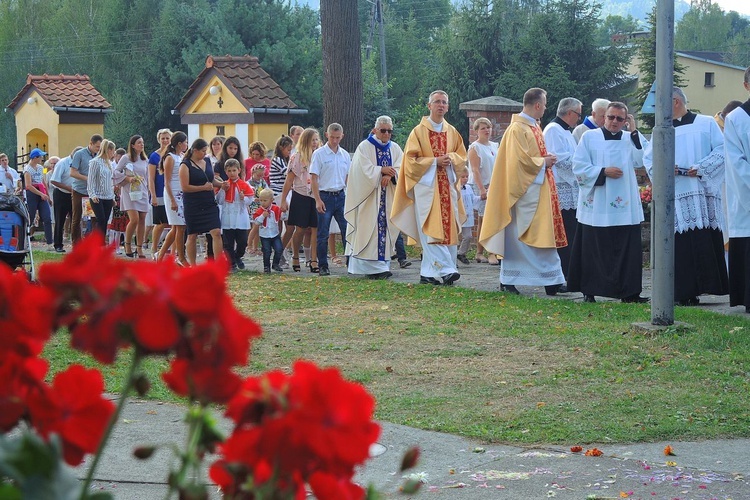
606, 258
560, 142
699, 265
522, 221
370, 188
737, 146
427, 206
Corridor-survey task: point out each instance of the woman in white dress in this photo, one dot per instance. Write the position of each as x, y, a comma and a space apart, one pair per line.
170, 166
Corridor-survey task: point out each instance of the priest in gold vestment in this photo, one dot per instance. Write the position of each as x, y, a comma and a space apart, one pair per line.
427, 205
522, 221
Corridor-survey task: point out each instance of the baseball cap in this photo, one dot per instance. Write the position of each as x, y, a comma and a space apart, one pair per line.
36, 153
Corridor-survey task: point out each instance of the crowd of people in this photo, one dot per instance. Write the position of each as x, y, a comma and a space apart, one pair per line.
557, 207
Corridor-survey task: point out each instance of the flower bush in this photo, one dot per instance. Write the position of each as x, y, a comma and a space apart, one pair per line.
308, 427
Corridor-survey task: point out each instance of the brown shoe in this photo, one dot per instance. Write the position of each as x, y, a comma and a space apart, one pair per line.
492, 260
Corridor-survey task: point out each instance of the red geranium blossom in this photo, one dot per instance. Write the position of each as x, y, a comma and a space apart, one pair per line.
206, 385
328, 486
20, 377
312, 421
73, 407
26, 313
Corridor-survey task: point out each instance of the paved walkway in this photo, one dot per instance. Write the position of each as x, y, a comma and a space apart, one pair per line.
459, 468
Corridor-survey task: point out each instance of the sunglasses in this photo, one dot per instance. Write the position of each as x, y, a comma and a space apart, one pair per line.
618, 119
386, 131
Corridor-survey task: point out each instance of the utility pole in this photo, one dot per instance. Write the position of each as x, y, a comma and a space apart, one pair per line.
383, 67
368, 48
662, 297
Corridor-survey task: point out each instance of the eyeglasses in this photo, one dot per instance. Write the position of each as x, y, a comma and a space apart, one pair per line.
439, 101
576, 112
386, 131
618, 119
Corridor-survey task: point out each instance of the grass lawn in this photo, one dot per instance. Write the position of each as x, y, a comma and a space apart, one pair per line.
496, 367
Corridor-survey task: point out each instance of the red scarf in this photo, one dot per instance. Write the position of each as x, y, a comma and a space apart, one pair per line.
240, 185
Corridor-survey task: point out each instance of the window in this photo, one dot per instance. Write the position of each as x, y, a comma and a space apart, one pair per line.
709, 80
219, 129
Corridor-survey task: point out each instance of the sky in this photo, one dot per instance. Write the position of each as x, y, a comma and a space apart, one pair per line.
741, 6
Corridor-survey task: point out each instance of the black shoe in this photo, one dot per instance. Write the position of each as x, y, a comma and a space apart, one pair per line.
394, 257
60, 250
449, 279
324, 271
425, 280
635, 299
589, 298
278, 268
240, 264
692, 301
403, 263
509, 289
267, 270
552, 290
462, 258
562, 289
380, 276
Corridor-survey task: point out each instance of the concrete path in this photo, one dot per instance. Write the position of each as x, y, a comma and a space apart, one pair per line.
459, 468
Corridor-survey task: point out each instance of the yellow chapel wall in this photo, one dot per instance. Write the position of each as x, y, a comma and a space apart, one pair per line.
207, 103
267, 133
34, 122
208, 130
77, 134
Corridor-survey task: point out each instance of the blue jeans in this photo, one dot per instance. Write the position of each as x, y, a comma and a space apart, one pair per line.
334, 203
266, 244
36, 204
400, 248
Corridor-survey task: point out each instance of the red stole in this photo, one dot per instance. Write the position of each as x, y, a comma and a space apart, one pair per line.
561, 240
439, 145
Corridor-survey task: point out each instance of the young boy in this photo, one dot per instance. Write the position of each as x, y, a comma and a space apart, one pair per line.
268, 219
258, 184
235, 219
469, 199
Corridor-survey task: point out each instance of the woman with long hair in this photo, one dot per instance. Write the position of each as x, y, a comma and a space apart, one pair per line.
215, 149
156, 189
303, 216
131, 174
201, 211
230, 149
279, 166
170, 167
100, 185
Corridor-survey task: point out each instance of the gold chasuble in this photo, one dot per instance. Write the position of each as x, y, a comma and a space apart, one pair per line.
442, 221
519, 160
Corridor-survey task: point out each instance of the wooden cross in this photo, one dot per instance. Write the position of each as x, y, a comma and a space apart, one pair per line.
220, 103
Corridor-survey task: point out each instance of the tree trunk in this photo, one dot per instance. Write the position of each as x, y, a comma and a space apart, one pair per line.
342, 69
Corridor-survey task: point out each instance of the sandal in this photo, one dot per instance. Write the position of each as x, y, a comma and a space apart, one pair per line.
315, 268
295, 264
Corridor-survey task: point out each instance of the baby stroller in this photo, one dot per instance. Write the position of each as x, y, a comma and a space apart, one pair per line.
15, 242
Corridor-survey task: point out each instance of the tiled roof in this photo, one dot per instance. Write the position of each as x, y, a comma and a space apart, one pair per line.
249, 82
71, 91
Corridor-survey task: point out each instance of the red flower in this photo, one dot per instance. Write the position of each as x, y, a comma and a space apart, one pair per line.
312, 421
73, 408
20, 377
26, 314
326, 486
158, 307
206, 385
